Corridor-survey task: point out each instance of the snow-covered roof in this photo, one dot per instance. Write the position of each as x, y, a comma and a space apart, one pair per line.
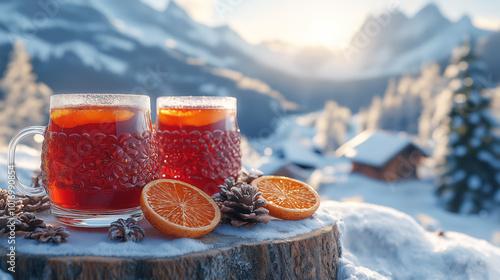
295, 152
375, 148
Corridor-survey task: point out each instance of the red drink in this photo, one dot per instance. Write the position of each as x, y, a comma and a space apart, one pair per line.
199, 145
98, 157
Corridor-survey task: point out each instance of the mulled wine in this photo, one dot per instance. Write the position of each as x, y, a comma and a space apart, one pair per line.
98, 158
199, 140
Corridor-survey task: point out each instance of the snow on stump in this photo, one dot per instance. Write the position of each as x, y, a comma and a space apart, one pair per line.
306, 249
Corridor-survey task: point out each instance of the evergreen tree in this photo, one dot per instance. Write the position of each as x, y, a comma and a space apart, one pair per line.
332, 126
373, 115
26, 101
407, 104
470, 165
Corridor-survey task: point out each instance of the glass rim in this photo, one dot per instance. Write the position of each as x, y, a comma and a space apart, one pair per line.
69, 100
223, 102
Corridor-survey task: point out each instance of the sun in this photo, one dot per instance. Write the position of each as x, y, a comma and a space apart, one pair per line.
324, 24
323, 31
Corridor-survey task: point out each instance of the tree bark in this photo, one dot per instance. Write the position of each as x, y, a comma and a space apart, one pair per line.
309, 256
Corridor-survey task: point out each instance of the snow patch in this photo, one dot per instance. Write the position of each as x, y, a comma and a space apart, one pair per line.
87, 53
382, 243
280, 229
474, 182
460, 151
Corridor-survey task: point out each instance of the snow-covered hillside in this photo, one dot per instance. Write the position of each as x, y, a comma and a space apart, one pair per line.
121, 27
133, 48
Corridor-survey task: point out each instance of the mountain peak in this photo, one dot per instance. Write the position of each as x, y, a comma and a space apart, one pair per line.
465, 19
429, 10
223, 28
174, 8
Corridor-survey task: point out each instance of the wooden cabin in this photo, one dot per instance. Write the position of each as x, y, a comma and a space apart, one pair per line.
382, 155
281, 167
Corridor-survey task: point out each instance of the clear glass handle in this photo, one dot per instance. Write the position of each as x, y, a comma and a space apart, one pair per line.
11, 157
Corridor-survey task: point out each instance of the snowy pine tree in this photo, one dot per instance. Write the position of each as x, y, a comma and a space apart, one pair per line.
26, 101
405, 102
373, 115
432, 88
470, 180
331, 127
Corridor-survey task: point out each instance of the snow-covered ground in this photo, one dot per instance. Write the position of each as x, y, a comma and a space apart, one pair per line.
333, 180
156, 244
377, 242
382, 243
415, 198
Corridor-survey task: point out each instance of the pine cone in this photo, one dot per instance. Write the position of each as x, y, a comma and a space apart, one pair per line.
35, 203
23, 222
241, 204
4, 220
248, 176
45, 235
15, 203
126, 230
36, 181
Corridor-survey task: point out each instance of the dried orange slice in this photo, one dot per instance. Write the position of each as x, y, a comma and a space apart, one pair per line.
289, 199
68, 118
179, 209
192, 116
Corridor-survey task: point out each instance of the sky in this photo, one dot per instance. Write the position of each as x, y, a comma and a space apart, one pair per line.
327, 23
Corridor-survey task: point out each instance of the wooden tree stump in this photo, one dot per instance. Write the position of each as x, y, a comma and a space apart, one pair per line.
309, 256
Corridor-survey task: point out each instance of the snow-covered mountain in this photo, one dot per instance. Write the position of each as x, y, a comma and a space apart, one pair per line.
127, 46
489, 52
403, 44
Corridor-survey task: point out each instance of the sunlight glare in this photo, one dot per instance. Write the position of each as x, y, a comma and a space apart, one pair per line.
322, 32
323, 29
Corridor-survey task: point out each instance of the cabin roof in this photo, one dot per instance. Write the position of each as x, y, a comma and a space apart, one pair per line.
375, 148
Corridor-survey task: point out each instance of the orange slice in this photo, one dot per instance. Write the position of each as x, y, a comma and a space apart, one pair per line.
289, 199
179, 209
192, 116
68, 118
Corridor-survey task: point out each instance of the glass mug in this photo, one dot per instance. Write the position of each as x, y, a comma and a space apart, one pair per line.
199, 140
99, 151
